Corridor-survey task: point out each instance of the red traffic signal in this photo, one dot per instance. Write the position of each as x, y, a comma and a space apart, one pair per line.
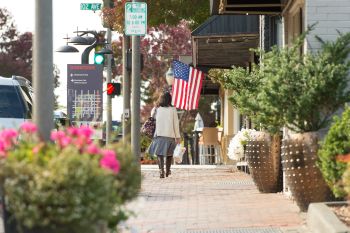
113, 88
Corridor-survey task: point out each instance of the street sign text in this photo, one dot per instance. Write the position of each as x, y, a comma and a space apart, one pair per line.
90, 6
135, 18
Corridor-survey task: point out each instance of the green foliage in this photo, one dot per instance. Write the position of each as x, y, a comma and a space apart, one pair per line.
346, 179
298, 91
145, 142
337, 142
172, 13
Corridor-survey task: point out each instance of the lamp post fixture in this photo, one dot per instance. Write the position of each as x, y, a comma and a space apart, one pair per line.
169, 76
67, 48
80, 40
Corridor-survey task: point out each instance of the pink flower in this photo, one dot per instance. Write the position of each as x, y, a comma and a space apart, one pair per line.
65, 141
93, 149
8, 134
86, 131
109, 153
74, 131
2, 149
56, 135
8, 138
36, 149
29, 127
109, 161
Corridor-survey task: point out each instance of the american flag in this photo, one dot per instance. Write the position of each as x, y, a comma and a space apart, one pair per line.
187, 86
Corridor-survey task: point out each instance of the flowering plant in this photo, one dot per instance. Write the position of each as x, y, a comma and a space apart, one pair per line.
70, 183
237, 143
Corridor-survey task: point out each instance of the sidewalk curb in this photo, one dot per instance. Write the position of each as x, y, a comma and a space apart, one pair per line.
321, 219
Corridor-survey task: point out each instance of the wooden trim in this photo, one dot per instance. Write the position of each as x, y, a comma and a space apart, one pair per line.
292, 6
252, 12
254, 5
227, 36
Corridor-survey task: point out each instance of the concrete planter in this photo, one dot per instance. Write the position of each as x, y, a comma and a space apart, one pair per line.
264, 161
302, 176
321, 219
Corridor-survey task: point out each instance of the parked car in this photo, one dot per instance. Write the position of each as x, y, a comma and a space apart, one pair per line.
27, 89
14, 109
61, 119
117, 131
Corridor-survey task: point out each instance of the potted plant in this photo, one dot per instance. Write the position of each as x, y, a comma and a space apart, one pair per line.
307, 89
67, 185
262, 150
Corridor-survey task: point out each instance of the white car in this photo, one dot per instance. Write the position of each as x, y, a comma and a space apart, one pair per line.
14, 109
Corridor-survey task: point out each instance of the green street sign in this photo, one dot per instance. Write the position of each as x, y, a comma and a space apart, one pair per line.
135, 18
90, 6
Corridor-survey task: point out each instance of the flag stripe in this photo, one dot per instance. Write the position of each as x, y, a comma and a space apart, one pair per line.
198, 89
190, 84
193, 73
184, 95
174, 93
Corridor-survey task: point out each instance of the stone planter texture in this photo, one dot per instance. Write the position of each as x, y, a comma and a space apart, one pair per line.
321, 219
263, 157
302, 176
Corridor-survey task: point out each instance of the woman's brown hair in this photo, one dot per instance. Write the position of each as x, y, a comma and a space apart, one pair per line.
164, 100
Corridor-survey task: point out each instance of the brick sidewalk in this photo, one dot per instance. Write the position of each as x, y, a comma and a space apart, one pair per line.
207, 200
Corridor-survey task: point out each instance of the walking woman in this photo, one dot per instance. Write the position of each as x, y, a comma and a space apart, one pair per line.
167, 133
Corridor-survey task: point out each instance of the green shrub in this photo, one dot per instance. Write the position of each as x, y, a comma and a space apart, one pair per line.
346, 179
336, 142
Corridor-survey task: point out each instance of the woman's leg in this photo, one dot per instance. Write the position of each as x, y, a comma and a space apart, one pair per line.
161, 165
169, 160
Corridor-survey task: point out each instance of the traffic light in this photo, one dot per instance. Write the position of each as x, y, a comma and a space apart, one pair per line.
113, 89
99, 59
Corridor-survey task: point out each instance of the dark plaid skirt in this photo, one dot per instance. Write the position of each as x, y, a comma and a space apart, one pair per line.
162, 146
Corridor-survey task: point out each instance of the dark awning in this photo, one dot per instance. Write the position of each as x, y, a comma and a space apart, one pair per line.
261, 7
225, 40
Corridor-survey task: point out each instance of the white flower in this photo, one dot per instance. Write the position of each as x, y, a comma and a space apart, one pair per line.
236, 149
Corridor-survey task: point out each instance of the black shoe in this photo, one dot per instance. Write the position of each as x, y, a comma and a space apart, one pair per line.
168, 173
161, 175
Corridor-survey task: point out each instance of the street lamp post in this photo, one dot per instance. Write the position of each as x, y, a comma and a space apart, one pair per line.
42, 68
169, 76
80, 40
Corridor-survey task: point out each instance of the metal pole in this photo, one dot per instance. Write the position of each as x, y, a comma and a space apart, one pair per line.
135, 104
126, 91
109, 97
43, 69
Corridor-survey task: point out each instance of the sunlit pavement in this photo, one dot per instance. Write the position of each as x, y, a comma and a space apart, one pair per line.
208, 199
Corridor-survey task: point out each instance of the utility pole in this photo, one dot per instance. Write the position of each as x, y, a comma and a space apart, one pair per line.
43, 69
136, 85
126, 91
109, 97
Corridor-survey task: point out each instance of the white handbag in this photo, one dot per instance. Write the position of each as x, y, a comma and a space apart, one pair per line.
178, 153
